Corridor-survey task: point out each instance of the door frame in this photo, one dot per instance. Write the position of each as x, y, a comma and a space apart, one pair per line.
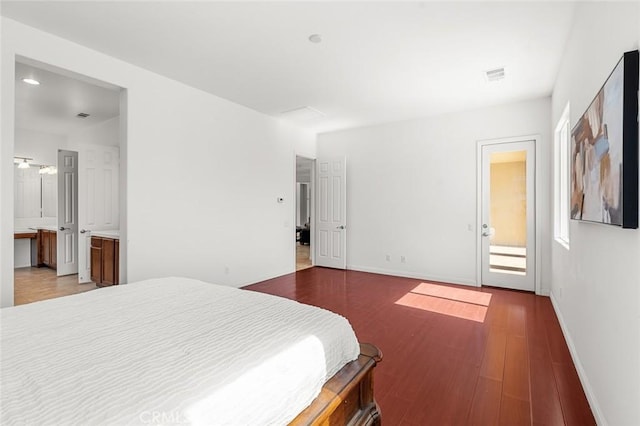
536, 138
7, 149
312, 207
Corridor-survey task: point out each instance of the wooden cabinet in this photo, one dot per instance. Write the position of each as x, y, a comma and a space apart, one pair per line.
109, 261
105, 260
96, 260
47, 248
53, 240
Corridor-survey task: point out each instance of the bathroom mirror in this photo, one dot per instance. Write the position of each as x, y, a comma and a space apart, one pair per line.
35, 193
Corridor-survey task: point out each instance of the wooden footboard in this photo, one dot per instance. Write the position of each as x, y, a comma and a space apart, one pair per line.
347, 398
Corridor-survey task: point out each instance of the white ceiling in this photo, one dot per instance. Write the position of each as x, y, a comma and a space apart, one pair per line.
378, 61
52, 106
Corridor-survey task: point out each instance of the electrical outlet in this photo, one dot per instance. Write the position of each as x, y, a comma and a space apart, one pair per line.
403, 259
388, 257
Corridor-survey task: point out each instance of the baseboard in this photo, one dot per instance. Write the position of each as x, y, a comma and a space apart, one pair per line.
584, 380
264, 278
419, 276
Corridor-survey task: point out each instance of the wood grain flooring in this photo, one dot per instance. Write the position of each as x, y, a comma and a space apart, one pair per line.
303, 260
35, 284
510, 366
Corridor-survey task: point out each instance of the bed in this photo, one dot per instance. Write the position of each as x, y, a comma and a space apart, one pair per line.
181, 351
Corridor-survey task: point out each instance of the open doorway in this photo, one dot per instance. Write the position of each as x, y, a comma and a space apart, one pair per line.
67, 178
303, 213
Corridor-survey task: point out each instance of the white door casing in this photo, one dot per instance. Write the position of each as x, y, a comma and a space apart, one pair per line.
331, 218
67, 234
98, 199
496, 258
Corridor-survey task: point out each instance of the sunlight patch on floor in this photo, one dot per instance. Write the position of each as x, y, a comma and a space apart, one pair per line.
460, 303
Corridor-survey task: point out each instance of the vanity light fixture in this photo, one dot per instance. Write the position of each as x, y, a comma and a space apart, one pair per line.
24, 164
31, 81
48, 170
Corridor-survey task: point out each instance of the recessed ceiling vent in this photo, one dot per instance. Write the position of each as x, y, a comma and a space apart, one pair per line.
302, 114
82, 115
496, 74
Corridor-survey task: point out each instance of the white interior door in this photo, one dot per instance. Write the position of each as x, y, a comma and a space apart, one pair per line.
508, 215
67, 235
331, 218
98, 200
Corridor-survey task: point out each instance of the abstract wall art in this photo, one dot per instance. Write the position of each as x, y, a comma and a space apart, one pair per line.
604, 151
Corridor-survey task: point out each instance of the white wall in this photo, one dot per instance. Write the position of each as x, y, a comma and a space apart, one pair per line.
411, 189
104, 133
595, 284
202, 173
42, 147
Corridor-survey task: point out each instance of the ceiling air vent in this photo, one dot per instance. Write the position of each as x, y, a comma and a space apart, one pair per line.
496, 74
82, 115
302, 114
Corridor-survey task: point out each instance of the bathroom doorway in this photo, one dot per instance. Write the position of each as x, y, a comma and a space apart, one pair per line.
58, 111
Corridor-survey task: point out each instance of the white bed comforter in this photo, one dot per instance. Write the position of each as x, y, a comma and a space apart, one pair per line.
167, 351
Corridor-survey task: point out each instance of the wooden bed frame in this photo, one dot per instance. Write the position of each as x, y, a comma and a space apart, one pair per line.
347, 398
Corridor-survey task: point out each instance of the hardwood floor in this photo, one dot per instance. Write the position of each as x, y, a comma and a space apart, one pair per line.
303, 261
34, 284
449, 359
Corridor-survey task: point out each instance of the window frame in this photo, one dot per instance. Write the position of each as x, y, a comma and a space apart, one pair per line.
561, 183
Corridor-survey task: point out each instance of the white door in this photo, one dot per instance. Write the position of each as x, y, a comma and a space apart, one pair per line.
67, 235
508, 215
98, 201
331, 218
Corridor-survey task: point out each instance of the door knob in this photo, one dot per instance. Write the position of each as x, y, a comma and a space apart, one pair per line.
340, 227
82, 231
62, 228
486, 234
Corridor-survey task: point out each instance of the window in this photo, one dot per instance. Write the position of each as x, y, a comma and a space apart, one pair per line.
561, 179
